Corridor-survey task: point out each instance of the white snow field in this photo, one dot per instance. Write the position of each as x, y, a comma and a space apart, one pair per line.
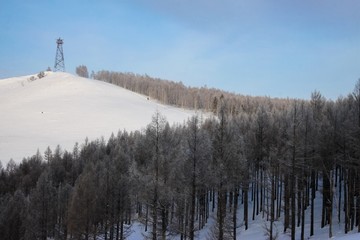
63, 109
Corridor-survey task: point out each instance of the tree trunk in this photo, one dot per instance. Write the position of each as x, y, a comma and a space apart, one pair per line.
340, 192
154, 213
346, 208
246, 208
163, 223
235, 206
286, 203
122, 229
313, 192
254, 191
272, 206
293, 208
326, 204
262, 186
330, 207
146, 217
193, 199
279, 198
221, 213
257, 192
303, 217
293, 176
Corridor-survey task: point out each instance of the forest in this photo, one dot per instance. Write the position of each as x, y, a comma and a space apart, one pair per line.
257, 155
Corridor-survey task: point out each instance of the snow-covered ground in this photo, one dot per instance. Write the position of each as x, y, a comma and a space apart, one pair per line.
63, 109
256, 230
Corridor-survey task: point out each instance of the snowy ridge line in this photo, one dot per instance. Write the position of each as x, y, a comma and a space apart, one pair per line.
61, 108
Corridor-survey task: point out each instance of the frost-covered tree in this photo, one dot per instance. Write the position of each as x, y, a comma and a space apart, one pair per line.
82, 71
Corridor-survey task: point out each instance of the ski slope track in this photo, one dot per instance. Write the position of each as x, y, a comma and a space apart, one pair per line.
64, 109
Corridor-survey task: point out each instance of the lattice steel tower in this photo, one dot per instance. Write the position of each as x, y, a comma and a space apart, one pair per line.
59, 59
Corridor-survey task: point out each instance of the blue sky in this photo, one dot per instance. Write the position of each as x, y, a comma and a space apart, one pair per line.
277, 48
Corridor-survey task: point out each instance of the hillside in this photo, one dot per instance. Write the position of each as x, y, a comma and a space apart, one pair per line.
289, 173
177, 94
63, 109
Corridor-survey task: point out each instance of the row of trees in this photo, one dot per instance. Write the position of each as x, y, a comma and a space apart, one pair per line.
177, 94
271, 162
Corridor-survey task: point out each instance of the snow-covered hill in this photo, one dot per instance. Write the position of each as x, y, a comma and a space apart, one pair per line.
63, 109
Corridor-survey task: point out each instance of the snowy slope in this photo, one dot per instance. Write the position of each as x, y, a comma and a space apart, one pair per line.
256, 230
63, 109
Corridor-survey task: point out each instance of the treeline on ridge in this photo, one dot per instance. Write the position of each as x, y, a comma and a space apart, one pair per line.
177, 94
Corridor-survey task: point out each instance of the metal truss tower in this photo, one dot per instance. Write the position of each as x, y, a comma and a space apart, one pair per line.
59, 59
